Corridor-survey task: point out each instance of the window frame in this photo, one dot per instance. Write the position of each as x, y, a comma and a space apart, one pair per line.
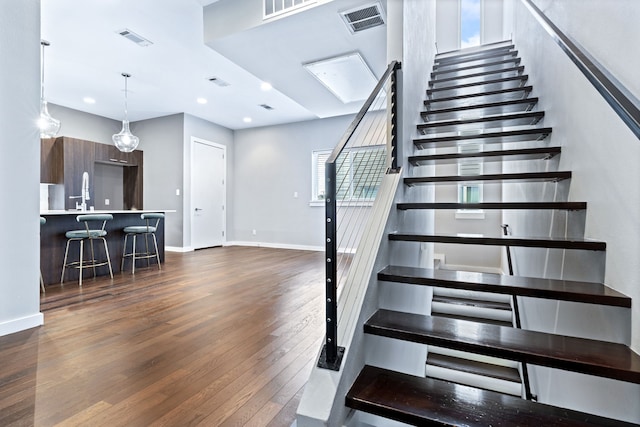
464, 169
317, 170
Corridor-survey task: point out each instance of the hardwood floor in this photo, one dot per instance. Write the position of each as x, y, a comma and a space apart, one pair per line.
218, 337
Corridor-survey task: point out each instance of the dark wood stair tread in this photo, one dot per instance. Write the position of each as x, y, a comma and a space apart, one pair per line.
538, 153
500, 177
461, 56
439, 64
508, 106
475, 319
604, 359
509, 119
512, 62
431, 402
502, 92
500, 240
521, 78
474, 367
564, 290
486, 137
517, 69
494, 305
504, 45
569, 206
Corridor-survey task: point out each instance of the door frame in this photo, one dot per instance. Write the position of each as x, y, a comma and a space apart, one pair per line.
195, 140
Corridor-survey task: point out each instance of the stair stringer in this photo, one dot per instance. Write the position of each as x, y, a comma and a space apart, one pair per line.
322, 403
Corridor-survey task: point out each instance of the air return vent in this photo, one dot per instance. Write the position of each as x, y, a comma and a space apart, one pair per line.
136, 38
363, 17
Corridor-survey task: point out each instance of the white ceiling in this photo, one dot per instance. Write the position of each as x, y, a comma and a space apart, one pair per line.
87, 57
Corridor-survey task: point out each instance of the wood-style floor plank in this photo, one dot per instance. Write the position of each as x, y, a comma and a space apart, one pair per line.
222, 336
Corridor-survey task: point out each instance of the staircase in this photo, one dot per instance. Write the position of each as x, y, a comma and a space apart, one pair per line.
476, 368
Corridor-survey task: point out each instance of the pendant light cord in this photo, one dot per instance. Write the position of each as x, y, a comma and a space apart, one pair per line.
126, 76
44, 44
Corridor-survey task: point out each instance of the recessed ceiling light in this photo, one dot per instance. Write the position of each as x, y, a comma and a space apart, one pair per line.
266, 86
201, 101
88, 100
247, 120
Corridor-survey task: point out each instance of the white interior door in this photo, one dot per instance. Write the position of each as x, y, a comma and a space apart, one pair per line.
208, 193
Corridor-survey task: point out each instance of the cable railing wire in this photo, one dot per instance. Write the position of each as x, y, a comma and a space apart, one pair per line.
353, 174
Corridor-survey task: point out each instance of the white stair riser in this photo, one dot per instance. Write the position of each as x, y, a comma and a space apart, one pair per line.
471, 311
479, 296
473, 356
473, 380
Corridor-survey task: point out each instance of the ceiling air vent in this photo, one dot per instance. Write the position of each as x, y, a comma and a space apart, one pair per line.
218, 81
363, 17
136, 38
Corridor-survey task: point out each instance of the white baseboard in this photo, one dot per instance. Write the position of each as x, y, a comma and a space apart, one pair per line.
276, 246
17, 325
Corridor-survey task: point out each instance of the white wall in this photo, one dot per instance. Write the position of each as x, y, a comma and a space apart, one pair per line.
602, 154
491, 18
448, 35
447, 222
19, 165
86, 126
161, 141
271, 164
608, 30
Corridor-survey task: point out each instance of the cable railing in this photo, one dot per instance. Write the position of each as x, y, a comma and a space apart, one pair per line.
616, 95
353, 174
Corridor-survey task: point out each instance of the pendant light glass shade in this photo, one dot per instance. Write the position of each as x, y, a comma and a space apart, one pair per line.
48, 126
124, 140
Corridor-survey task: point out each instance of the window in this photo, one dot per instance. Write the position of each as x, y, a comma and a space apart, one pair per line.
359, 174
469, 23
469, 192
276, 7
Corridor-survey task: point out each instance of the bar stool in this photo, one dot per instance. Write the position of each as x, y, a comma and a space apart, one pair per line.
144, 230
43, 221
88, 234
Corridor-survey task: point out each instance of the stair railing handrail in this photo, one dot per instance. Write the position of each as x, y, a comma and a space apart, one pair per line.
393, 66
610, 89
331, 355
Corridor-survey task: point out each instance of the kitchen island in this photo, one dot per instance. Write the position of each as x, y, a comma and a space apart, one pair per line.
53, 241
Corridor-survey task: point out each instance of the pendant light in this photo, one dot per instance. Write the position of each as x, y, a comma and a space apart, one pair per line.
125, 141
48, 126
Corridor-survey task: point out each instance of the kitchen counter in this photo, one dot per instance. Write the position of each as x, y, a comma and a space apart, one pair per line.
77, 212
53, 241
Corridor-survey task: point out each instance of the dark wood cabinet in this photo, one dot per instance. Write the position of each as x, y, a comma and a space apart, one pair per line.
106, 153
78, 158
51, 161
63, 160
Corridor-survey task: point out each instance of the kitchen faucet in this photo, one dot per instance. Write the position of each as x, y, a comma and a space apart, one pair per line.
85, 193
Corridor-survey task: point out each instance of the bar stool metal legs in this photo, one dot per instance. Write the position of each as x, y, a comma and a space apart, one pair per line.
90, 235
145, 230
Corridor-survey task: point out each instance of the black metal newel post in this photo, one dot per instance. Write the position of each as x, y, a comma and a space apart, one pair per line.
331, 355
394, 120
